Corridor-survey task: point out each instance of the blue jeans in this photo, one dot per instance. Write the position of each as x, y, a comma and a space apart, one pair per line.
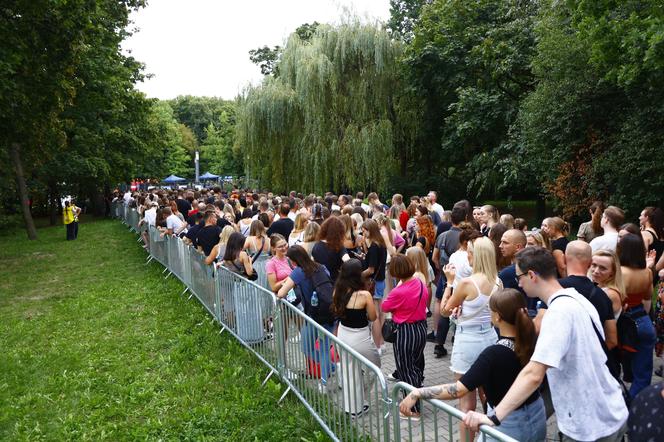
308, 337
526, 424
642, 359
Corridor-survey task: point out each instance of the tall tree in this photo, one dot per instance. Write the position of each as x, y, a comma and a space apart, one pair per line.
268, 58
327, 120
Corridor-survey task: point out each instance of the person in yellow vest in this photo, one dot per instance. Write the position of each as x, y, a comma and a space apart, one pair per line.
70, 218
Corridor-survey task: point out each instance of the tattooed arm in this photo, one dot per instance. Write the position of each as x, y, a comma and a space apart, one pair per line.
445, 391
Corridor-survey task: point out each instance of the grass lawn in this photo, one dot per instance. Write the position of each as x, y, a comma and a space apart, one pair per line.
96, 346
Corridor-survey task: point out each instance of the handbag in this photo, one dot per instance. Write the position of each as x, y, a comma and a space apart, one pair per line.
628, 331
390, 328
242, 272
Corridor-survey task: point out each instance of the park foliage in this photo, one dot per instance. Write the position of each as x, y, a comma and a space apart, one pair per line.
486, 99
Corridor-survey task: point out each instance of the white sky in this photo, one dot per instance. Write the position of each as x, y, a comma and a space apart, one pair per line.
201, 47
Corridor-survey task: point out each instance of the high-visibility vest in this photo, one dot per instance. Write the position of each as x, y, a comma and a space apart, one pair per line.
68, 214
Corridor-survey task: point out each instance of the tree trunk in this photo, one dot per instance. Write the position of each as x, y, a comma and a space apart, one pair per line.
14, 154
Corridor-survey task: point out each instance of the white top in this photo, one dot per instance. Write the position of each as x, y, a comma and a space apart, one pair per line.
438, 209
365, 207
476, 311
608, 241
150, 216
127, 198
292, 215
296, 239
244, 228
174, 223
587, 399
459, 260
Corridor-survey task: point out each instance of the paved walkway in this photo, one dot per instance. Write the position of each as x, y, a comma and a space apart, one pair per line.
434, 427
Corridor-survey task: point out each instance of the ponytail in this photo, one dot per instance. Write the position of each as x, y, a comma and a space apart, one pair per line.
511, 307
597, 209
524, 344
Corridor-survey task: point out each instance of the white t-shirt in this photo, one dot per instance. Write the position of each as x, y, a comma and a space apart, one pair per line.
127, 198
174, 223
150, 216
608, 241
292, 215
438, 209
587, 399
463, 269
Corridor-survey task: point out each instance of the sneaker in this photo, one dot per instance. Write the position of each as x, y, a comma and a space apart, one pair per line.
393, 377
414, 417
660, 371
431, 337
322, 387
439, 351
365, 408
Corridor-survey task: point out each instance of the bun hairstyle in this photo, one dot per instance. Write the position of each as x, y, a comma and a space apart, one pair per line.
558, 224
511, 307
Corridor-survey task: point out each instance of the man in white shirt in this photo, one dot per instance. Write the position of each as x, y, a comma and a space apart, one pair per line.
174, 224
612, 219
433, 197
587, 399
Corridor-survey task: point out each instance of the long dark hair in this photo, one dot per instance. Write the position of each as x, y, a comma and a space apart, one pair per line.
632, 251
349, 281
511, 307
596, 210
655, 217
299, 256
234, 246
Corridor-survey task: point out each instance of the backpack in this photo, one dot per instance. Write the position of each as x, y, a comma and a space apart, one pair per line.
323, 286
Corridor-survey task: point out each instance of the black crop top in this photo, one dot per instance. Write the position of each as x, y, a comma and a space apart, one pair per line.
355, 318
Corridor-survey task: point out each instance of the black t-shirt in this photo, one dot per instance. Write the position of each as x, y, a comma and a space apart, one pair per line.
559, 244
207, 238
222, 222
375, 258
193, 231
322, 254
184, 206
283, 226
495, 369
597, 297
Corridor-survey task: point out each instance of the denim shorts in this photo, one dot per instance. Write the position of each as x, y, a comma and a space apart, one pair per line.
380, 290
469, 342
527, 423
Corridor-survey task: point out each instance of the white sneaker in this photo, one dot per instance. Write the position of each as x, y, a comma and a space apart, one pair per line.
322, 388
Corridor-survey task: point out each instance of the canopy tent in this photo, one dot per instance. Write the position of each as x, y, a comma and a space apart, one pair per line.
173, 179
209, 176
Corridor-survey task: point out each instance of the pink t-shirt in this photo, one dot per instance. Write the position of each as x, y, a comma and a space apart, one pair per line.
278, 267
403, 302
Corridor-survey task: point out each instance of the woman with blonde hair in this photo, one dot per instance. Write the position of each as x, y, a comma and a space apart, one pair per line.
297, 234
557, 230
423, 269
258, 246
537, 239
310, 237
217, 252
606, 273
474, 332
507, 220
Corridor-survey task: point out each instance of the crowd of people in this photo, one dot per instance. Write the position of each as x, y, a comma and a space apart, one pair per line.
538, 321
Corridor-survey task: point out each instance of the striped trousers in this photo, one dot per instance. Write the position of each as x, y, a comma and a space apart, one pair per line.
409, 353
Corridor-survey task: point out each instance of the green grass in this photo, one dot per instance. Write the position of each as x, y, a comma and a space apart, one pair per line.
96, 346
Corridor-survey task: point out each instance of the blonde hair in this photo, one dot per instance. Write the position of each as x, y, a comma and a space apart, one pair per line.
540, 238
384, 221
420, 261
225, 234
616, 282
507, 220
484, 258
311, 232
300, 222
558, 224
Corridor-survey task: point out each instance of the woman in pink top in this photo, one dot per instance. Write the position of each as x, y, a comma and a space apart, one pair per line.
278, 268
407, 303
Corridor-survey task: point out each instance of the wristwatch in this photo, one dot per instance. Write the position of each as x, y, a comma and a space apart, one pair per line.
492, 416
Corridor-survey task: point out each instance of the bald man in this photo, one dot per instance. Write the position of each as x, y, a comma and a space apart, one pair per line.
511, 242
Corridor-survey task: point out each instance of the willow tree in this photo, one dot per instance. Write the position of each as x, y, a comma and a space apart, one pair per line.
328, 120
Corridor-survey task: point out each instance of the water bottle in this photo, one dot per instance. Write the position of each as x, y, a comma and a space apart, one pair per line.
314, 299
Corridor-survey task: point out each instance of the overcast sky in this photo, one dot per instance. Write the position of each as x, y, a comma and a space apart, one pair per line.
200, 47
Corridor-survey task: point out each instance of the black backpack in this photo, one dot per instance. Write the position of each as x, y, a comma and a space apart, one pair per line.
323, 286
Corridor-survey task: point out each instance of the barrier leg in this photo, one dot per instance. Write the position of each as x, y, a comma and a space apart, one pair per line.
283, 395
269, 375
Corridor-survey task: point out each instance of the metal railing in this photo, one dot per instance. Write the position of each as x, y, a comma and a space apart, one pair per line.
442, 427
343, 390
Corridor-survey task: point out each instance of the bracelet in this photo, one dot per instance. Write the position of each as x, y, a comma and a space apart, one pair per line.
492, 416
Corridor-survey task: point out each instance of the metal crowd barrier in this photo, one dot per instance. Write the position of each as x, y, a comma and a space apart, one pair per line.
445, 416
343, 390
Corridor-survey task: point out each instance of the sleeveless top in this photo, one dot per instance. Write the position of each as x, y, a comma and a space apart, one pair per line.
355, 317
658, 246
476, 311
